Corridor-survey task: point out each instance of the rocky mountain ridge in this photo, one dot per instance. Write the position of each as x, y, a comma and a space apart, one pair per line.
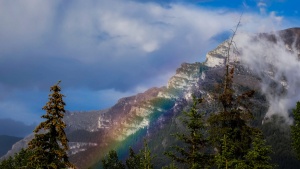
154, 113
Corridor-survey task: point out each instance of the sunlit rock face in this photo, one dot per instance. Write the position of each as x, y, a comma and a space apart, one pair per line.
88, 121
186, 76
76, 147
217, 56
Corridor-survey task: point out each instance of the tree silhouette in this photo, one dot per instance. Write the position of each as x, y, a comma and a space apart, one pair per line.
295, 130
134, 160
111, 161
192, 154
50, 144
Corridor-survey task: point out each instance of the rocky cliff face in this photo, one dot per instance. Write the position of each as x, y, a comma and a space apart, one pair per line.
154, 113
217, 56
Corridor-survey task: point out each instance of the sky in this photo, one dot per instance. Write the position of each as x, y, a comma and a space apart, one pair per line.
103, 50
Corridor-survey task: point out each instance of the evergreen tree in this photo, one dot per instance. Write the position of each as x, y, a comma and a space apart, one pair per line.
19, 160
232, 122
259, 155
238, 144
134, 160
8, 163
295, 130
111, 161
224, 160
229, 131
142, 160
146, 157
50, 143
171, 166
193, 153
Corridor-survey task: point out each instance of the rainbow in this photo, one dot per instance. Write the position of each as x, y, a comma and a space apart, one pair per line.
115, 139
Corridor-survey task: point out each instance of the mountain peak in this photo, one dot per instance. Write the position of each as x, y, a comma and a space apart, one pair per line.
217, 56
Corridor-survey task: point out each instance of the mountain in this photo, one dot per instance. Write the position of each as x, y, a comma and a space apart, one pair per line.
6, 143
155, 114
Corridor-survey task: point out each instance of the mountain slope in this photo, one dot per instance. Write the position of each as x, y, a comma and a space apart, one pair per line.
155, 113
6, 143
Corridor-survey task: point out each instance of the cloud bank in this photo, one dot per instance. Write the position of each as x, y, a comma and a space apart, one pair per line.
103, 50
278, 66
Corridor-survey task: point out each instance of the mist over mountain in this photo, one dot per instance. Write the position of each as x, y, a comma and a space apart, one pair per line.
267, 63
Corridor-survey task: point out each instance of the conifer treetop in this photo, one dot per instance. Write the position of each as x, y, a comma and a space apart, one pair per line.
50, 143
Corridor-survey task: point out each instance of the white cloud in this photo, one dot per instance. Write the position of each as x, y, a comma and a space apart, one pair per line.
262, 7
273, 62
78, 27
272, 14
275, 17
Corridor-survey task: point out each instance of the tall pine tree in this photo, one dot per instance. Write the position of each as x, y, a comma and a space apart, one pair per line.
50, 144
192, 154
232, 124
142, 160
134, 160
111, 161
20, 160
146, 157
229, 129
170, 166
295, 130
259, 155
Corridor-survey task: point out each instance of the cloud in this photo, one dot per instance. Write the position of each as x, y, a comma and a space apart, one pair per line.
23, 106
90, 45
102, 47
23, 23
262, 7
167, 2
275, 17
278, 67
